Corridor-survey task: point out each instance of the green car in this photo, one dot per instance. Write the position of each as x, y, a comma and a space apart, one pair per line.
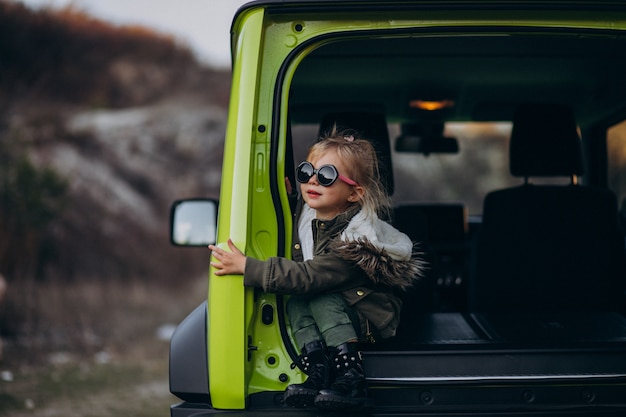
500, 128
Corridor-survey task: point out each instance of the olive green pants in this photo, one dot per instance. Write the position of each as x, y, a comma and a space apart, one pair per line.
325, 317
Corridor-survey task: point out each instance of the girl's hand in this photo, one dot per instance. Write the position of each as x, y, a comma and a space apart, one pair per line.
228, 263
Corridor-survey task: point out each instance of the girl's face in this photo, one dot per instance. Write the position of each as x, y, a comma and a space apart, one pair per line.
328, 202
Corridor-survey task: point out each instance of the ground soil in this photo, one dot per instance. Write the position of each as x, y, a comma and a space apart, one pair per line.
115, 363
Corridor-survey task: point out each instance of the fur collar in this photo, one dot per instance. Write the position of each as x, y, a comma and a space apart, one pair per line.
387, 255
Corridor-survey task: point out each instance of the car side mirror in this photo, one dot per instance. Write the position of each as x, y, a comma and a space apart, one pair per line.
193, 222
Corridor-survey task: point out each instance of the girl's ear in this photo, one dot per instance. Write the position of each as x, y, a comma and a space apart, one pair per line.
356, 194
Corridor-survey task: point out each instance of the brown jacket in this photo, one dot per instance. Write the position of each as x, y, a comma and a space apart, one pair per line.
364, 273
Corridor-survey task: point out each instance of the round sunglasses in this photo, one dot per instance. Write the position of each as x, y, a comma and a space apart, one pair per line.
326, 174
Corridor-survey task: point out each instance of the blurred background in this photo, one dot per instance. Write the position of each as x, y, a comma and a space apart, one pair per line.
109, 111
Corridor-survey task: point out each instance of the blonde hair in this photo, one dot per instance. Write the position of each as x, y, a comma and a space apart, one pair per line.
361, 163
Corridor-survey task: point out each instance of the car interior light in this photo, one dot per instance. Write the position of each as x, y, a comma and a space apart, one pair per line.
431, 105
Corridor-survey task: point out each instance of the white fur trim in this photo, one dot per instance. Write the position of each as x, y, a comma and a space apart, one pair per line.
305, 231
380, 234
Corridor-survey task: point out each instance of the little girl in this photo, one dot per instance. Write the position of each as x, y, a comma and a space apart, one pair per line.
347, 264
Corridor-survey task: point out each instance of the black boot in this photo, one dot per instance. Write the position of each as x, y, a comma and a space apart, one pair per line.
348, 388
314, 363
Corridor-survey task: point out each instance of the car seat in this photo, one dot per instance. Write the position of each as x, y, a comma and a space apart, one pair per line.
547, 247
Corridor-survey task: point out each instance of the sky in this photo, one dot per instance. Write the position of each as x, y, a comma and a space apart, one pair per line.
204, 25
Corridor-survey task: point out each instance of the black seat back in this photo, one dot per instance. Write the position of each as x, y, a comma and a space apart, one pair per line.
547, 247
441, 230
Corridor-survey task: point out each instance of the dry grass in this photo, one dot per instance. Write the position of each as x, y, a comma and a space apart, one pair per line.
73, 57
92, 349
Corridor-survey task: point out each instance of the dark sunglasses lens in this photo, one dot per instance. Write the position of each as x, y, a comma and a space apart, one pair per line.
304, 172
327, 175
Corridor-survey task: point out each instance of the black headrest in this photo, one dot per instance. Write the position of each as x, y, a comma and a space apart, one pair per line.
545, 142
366, 125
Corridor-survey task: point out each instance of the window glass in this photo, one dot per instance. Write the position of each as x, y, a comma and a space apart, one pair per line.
616, 144
482, 165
